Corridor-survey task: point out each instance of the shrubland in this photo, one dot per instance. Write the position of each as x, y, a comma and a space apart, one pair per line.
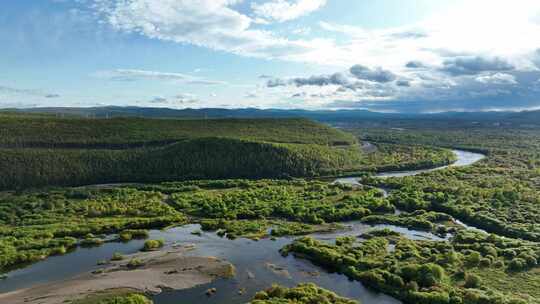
431, 272
500, 194
35, 224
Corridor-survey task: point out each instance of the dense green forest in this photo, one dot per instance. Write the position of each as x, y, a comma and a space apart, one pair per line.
192, 159
43, 150
27, 130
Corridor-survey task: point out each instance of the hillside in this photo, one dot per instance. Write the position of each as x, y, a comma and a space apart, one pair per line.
24, 130
45, 151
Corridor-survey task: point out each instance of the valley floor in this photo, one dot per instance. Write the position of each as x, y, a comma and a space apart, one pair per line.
407, 242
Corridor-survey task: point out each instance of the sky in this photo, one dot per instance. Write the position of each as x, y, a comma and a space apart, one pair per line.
384, 55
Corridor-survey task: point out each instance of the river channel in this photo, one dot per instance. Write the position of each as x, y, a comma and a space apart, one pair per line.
258, 263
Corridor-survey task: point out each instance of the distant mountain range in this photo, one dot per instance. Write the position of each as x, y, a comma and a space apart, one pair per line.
521, 118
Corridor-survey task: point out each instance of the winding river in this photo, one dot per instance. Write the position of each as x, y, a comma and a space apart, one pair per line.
258, 263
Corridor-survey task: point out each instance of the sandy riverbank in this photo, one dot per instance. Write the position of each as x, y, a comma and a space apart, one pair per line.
161, 270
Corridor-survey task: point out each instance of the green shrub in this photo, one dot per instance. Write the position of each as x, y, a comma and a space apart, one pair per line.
135, 263
117, 256
302, 294
91, 242
517, 264
473, 259
153, 245
472, 280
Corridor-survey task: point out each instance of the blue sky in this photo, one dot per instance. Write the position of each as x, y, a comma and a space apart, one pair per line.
385, 55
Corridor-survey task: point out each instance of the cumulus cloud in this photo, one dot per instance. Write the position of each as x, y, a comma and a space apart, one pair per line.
475, 65
221, 25
285, 10
403, 83
322, 80
426, 89
135, 75
415, 64
336, 79
212, 24
375, 75
497, 78
358, 82
363, 80
452, 60
273, 83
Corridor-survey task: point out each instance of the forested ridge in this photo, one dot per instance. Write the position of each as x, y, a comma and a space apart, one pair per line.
41, 150
47, 131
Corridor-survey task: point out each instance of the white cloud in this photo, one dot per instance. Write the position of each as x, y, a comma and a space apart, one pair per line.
207, 23
177, 100
471, 29
466, 49
285, 10
216, 24
374, 75
497, 78
135, 75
